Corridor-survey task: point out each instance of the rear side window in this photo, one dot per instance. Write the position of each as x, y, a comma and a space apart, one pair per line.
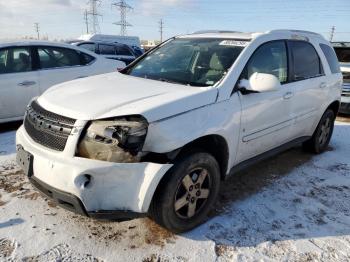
15, 60
107, 49
270, 58
122, 50
55, 57
343, 54
331, 58
307, 63
86, 59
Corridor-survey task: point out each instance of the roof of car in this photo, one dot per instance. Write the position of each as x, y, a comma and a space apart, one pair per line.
31, 42
42, 43
100, 42
249, 35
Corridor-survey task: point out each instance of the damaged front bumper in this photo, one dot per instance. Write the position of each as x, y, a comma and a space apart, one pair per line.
91, 187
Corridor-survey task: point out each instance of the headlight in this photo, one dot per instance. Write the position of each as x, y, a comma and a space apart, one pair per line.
118, 140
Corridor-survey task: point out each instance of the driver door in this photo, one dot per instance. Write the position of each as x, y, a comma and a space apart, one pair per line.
266, 117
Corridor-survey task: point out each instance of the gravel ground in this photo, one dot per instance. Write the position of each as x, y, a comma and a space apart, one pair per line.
293, 207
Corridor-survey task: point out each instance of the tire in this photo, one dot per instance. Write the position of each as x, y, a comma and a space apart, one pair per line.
319, 141
177, 205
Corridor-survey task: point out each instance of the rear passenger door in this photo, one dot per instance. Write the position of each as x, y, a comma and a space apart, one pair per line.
308, 85
19, 81
59, 65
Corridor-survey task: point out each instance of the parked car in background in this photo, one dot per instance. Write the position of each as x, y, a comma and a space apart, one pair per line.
342, 50
114, 51
158, 138
138, 51
27, 69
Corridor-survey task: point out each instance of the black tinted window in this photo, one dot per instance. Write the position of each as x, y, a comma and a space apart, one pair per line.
121, 50
331, 58
270, 58
53, 57
343, 54
306, 60
90, 46
86, 59
107, 49
15, 60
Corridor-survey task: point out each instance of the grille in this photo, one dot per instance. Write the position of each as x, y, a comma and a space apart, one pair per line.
47, 128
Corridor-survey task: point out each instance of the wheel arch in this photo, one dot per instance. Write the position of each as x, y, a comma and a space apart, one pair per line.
334, 106
216, 145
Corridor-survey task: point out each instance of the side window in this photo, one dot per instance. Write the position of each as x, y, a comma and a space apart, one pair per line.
307, 63
86, 59
270, 58
107, 49
331, 58
54, 57
122, 50
88, 46
15, 60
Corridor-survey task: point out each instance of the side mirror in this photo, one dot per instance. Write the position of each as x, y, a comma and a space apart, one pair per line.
260, 82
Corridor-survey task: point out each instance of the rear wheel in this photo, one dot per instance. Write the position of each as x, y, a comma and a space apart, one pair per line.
187, 194
322, 135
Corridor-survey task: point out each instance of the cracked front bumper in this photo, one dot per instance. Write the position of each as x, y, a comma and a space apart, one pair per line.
114, 189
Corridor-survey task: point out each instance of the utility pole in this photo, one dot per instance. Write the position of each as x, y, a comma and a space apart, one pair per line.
37, 30
94, 15
332, 34
123, 7
86, 20
161, 27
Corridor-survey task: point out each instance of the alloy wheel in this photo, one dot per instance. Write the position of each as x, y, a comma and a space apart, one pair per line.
192, 193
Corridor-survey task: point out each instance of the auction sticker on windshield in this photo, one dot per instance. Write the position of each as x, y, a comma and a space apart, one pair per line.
234, 43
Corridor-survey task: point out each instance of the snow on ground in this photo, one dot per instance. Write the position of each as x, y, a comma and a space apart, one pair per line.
293, 207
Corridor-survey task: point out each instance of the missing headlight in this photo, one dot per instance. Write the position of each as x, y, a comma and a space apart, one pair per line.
118, 140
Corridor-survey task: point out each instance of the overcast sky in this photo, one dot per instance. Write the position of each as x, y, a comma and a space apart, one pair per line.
64, 18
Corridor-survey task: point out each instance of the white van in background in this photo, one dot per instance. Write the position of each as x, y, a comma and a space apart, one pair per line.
342, 49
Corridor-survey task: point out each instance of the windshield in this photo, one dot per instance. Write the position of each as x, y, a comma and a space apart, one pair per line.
343, 54
195, 62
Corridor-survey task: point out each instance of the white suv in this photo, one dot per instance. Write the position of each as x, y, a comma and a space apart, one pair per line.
159, 137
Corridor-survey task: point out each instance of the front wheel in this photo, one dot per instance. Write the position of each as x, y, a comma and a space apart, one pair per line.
322, 135
187, 194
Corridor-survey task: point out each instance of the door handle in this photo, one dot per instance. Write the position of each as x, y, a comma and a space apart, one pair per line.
27, 83
81, 77
288, 95
323, 85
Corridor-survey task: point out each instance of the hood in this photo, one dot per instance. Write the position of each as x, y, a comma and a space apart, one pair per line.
115, 94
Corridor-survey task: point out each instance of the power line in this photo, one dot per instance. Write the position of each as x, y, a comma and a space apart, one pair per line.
161, 27
332, 33
94, 15
37, 30
86, 20
123, 7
